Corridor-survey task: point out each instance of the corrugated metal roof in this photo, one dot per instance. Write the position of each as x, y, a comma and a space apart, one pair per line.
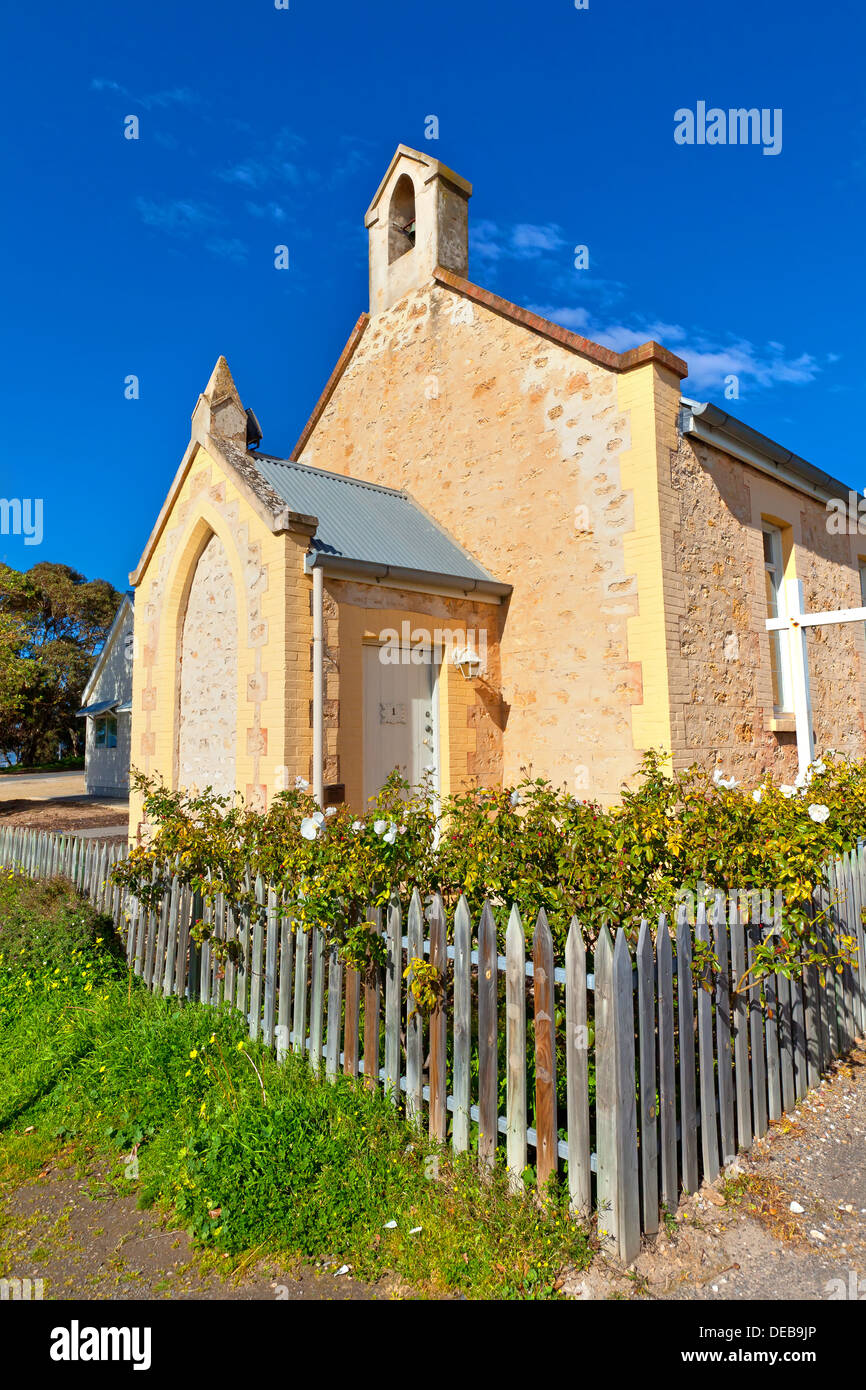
91, 711
362, 521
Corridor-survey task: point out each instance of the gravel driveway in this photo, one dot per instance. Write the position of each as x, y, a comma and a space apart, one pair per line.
742, 1239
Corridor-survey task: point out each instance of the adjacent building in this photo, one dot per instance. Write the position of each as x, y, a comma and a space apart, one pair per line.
107, 709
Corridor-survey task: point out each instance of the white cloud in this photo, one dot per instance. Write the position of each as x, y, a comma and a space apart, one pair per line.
357, 153
250, 173
527, 241
180, 215
271, 163
484, 240
709, 360
272, 210
174, 96
105, 84
756, 366
576, 319
184, 218
255, 173
227, 248
621, 338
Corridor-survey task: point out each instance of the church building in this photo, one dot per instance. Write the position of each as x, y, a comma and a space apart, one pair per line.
496, 548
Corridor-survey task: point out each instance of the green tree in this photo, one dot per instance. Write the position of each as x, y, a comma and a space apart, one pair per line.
53, 623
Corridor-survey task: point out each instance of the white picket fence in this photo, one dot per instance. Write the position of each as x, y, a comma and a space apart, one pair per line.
686, 1070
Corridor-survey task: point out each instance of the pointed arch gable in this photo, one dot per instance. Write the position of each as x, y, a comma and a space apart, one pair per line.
204, 451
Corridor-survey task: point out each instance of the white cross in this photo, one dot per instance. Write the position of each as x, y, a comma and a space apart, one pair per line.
794, 623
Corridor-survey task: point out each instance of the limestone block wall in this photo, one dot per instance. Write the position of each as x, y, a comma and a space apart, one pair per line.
516, 445
721, 680
208, 703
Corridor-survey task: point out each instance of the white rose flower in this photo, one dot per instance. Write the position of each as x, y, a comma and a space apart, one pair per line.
515, 798
330, 810
301, 785
391, 835
818, 812
357, 825
380, 826
720, 781
757, 794
318, 818
787, 791
309, 828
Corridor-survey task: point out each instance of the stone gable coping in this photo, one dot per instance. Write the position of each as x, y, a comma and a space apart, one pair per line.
606, 357
342, 363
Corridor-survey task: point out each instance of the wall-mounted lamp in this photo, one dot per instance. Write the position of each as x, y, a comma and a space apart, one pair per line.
467, 661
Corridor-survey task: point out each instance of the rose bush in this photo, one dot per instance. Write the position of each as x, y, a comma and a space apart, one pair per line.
532, 845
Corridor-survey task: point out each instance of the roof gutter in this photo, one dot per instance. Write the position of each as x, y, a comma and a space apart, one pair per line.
488, 590
704, 421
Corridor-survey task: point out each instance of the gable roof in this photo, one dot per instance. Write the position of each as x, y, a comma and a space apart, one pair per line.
126, 604
583, 347
366, 526
435, 170
706, 422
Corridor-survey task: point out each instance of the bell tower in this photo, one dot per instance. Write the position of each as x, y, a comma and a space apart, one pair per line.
418, 219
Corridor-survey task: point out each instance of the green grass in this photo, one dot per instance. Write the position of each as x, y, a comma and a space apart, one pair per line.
59, 765
251, 1156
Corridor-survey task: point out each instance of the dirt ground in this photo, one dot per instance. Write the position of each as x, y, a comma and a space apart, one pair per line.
70, 815
740, 1238
87, 1241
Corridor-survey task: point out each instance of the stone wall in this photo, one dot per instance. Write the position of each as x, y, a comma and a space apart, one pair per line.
721, 682
208, 714
513, 443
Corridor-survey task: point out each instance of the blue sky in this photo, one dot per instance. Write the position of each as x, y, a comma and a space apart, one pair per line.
261, 126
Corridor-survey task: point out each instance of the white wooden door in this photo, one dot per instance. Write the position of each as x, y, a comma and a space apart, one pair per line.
400, 720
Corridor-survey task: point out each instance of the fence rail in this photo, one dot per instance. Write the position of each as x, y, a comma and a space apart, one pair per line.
639, 1075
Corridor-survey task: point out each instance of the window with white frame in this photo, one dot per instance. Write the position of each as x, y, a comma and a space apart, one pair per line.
774, 582
105, 731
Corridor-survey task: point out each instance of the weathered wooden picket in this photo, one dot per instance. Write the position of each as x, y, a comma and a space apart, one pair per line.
645, 1079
